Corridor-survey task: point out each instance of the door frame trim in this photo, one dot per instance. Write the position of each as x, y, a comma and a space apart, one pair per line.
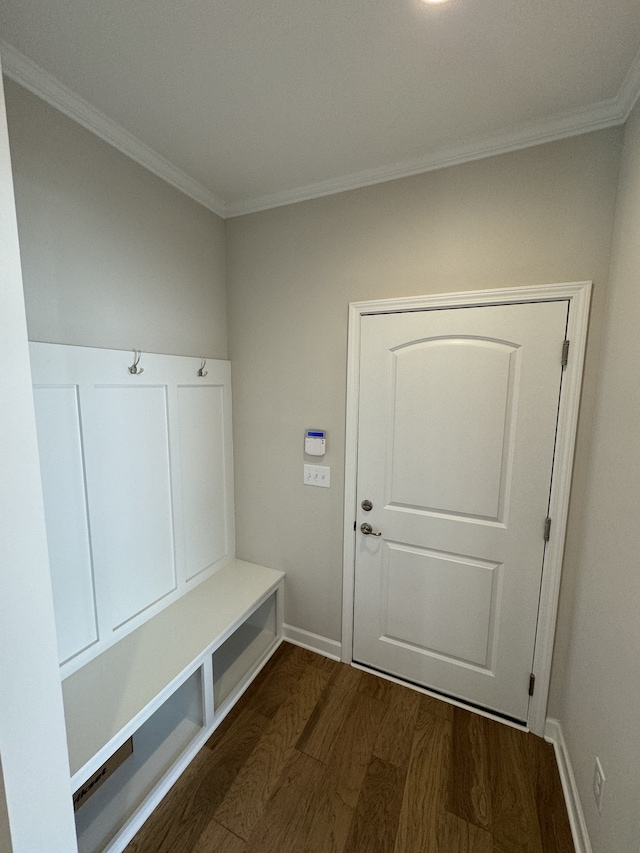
579, 296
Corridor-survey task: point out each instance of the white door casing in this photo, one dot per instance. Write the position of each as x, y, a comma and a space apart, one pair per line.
465, 529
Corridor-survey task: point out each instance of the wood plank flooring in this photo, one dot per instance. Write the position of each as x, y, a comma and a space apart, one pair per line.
319, 757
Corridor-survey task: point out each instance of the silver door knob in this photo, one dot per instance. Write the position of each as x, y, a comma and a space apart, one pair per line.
367, 529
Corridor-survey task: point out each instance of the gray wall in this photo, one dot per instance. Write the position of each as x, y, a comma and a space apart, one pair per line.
111, 255
599, 697
536, 216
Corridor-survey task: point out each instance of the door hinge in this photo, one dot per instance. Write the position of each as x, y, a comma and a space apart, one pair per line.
565, 353
547, 529
532, 684
354, 525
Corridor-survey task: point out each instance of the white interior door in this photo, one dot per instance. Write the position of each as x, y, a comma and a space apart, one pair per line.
457, 423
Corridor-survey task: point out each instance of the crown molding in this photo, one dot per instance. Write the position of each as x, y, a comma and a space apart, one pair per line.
605, 114
26, 73
608, 113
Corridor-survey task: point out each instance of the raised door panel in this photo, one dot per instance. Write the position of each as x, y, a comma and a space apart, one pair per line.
463, 632
63, 485
452, 457
128, 469
204, 476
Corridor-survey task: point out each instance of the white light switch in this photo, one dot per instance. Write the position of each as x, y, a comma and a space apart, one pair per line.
317, 475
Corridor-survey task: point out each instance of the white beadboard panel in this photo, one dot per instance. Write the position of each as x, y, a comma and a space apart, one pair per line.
128, 472
62, 472
153, 450
202, 464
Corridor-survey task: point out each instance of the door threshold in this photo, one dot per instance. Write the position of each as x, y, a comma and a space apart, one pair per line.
496, 716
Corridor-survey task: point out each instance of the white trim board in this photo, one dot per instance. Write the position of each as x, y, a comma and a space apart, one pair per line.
36, 80
313, 642
608, 113
574, 123
553, 734
578, 294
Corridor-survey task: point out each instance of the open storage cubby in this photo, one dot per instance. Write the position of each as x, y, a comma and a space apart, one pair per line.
157, 745
240, 652
167, 685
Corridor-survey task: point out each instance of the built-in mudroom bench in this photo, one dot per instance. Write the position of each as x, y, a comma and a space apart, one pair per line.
167, 685
160, 629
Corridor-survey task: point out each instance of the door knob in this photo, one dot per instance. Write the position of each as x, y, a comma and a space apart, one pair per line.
367, 529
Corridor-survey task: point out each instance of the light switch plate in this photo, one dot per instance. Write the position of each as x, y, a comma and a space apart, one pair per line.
317, 475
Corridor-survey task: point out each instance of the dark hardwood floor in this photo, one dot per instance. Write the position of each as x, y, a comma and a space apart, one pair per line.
319, 757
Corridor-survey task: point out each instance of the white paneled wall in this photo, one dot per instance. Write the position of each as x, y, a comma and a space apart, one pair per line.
62, 471
201, 410
138, 485
128, 471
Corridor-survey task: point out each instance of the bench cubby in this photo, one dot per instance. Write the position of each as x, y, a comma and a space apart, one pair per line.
168, 685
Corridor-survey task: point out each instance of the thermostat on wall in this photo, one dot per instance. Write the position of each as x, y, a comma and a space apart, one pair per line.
315, 442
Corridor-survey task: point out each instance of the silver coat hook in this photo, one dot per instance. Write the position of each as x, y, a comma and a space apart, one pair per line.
137, 355
202, 371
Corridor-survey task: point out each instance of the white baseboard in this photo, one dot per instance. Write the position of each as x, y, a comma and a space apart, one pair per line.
314, 642
553, 734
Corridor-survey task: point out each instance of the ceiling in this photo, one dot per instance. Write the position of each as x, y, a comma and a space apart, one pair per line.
247, 105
